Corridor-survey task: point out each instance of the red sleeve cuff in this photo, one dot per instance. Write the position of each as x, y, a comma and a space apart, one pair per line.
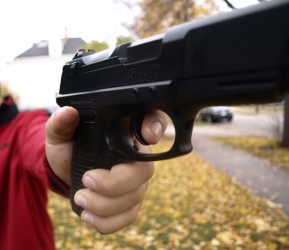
56, 184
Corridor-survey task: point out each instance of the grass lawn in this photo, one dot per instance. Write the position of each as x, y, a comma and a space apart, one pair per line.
258, 109
262, 147
189, 205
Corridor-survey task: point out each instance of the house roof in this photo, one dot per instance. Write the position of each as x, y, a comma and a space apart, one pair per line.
70, 46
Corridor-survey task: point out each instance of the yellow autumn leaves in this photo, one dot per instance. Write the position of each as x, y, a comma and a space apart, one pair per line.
265, 148
189, 205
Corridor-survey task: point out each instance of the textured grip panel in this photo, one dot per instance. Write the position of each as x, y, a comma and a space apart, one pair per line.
87, 150
78, 170
90, 151
84, 152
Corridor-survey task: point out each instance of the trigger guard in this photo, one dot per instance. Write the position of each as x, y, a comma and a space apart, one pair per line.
138, 120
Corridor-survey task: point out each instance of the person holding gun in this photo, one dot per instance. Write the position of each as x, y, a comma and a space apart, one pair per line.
35, 156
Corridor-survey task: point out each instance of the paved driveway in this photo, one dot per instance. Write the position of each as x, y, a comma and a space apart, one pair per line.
261, 177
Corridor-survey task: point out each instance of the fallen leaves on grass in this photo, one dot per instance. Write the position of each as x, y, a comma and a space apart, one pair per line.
260, 146
188, 205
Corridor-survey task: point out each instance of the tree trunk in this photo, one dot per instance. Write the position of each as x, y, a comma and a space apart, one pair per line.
285, 138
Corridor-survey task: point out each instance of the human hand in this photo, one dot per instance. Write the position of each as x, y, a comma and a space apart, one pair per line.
112, 198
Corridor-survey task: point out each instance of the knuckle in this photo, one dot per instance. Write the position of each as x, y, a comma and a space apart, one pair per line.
108, 188
103, 184
133, 214
109, 225
138, 195
103, 228
149, 171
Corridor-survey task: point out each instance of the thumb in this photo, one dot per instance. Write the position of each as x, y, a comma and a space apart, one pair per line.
61, 125
60, 128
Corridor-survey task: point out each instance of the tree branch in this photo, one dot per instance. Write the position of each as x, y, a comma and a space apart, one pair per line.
230, 5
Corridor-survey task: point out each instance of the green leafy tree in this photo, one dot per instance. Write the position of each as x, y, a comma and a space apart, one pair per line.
159, 15
123, 39
97, 46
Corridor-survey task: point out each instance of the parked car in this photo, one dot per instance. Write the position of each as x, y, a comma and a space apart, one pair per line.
216, 114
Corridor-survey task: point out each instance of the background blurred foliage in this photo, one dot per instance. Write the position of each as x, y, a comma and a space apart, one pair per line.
96, 45
157, 16
123, 39
99, 46
5, 90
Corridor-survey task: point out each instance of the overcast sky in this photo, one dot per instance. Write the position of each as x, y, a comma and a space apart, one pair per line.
24, 22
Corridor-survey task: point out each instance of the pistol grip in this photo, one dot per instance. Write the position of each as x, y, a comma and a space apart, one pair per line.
90, 151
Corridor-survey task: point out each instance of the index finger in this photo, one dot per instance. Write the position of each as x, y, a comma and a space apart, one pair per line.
153, 126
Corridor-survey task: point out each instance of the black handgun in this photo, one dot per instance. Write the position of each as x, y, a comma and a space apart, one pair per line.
238, 57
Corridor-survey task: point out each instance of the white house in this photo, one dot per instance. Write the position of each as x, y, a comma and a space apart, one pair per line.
35, 74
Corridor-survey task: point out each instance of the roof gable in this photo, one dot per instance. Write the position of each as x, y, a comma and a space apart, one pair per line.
69, 46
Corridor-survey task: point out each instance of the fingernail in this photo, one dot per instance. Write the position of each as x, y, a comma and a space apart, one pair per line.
89, 182
157, 129
87, 217
80, 201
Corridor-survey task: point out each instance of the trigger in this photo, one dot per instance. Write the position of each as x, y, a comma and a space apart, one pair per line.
138, 120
